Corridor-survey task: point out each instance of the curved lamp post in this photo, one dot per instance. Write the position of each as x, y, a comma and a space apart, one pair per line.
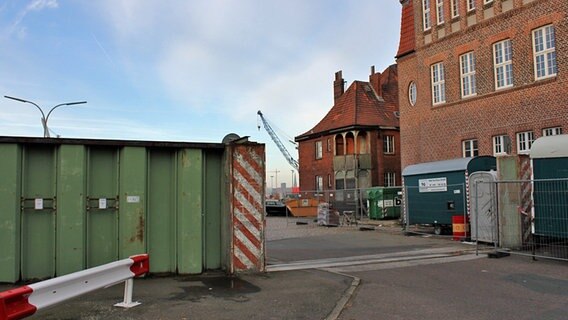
44, 118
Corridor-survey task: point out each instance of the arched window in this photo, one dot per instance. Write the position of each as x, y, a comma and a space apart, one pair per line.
350, 143
339, 151
362, 143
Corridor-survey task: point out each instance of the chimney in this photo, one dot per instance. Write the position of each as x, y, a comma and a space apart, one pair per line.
375, 81
338, 86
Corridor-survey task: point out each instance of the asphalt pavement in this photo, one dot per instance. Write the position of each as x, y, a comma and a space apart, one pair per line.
343, 273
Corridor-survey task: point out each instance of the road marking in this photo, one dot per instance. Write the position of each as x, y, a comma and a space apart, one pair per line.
403, 264
368, 259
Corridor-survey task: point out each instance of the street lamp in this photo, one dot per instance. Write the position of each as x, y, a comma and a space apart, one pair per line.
44, 118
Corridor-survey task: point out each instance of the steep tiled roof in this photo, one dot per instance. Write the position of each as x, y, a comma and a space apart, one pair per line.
359, 106
389, 86
407, 36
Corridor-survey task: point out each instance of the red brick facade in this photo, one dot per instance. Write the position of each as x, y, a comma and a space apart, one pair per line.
352, 137
437, 132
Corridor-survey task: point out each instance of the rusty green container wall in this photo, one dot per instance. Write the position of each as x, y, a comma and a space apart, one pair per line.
70, 233
161, 223
103, 201
102, 223
38, 225
132, 213
190, 210
212, 217
10, 191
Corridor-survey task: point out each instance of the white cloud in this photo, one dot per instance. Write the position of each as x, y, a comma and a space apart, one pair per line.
35, 5
234, 57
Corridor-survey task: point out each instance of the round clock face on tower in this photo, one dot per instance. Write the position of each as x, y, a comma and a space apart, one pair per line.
412, 93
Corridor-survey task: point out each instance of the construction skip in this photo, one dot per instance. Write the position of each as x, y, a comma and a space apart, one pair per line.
72, 204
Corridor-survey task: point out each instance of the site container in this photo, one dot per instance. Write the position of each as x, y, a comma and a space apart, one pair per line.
70, 204
436, 191
549, 159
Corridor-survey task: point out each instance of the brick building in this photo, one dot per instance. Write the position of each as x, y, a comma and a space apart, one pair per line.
356, 145
481, 77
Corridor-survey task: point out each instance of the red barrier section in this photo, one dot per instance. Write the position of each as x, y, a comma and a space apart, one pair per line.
141, 264
14, 304
459, 228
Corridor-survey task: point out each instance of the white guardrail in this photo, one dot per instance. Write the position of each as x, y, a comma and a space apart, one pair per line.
26, 300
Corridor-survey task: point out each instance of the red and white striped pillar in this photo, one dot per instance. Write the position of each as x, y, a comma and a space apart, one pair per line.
526, 207
247, 207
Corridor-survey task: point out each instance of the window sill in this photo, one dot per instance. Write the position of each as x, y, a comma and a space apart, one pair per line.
546, 77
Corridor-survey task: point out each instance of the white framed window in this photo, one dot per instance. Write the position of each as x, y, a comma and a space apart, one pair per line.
455, 8
470, 5
544, 51
469, 148
467, 69
503, 64
388, 144
319, 183
426, 14
328, 145
319, 150
438, 84
552, 131
440, 11
390, 179
412, 93
487, 1
500, 145
524, 141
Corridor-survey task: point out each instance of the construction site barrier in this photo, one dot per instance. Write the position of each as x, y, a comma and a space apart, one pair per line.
26, 300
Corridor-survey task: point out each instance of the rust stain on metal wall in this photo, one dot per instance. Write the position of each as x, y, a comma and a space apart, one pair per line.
139, 235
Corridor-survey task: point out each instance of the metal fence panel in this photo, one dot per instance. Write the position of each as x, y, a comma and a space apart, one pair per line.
533, 216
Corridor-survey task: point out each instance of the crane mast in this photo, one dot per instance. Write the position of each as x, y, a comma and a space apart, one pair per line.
279, 144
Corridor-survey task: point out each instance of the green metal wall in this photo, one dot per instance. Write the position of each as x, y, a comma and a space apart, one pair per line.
102, 202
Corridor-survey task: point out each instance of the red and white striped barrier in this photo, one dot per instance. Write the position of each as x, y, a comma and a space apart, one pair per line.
248, 167
24, 301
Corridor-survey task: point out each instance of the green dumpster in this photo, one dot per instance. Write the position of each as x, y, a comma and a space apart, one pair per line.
384, 202
373, 205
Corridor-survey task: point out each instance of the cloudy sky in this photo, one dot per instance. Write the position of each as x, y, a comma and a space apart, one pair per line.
182, 70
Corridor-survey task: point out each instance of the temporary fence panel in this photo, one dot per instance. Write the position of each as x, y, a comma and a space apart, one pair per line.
532, 204
550, 214
551, 208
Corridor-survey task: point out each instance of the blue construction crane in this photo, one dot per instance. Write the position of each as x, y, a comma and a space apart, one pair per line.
293, 162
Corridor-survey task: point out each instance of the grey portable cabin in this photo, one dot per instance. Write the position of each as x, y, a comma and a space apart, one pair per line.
549, 160
436, 191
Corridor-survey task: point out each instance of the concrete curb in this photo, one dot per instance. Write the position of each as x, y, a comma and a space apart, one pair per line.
347, 295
